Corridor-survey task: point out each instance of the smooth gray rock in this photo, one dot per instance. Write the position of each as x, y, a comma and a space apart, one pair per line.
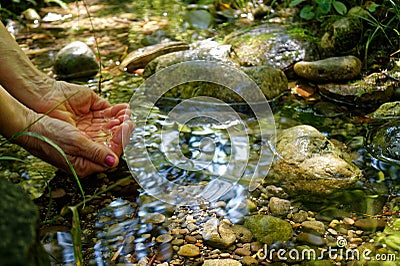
76, 60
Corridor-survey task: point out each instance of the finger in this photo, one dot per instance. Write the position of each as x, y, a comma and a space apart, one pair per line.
97, 153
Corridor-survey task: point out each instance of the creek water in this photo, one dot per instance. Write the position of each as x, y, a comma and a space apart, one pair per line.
123, 226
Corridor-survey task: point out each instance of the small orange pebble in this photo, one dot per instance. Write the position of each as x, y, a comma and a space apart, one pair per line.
139, 71
198, 244
303, 90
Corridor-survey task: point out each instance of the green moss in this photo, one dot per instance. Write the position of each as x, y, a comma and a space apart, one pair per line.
302, 34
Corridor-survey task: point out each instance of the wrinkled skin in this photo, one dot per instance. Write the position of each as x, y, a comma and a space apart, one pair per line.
82, 117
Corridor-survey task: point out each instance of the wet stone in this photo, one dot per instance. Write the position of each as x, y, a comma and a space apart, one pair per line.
300, 216
308, 238
314, 226
271, 45
242, 252
370, 224
342, 35
155, 218
242, 233
268, 229
279, 207
310, 163
390, 110
218, 234
249, 261
222, 262
189, 250
164, 238
330, 69
372, 90
76, 60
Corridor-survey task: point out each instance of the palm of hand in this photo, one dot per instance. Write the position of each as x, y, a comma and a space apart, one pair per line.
92, 115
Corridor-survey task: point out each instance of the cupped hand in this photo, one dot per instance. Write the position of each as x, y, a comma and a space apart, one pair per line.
86, 154
93, 120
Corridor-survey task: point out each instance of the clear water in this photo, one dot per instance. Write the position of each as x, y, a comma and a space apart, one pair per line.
123, 228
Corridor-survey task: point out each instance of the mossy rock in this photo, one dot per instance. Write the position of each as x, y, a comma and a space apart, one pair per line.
268, 229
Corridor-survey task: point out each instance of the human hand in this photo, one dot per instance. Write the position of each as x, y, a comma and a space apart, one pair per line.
92, 115
80, 144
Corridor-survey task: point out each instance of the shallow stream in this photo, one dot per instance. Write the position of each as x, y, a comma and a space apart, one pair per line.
124, 229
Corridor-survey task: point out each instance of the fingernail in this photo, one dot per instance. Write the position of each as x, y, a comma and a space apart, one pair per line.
109, 160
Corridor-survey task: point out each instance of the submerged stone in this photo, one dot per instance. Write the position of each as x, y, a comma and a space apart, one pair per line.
221, 262
330, 69
76, 60
383, 142
268, 229
272, 82
218, 234
309, 162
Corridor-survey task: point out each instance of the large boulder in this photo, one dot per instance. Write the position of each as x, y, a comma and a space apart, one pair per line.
273, 45
271, 81
20, 242
308, 162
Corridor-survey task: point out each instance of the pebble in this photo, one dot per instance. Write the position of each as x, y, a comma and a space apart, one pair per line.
278, 207
155, 218
192, 227
348, 221
370, 224
223, 262
218, 234
249, 261
311, 239
299, 217
189, 250
314, 226
242, 233
164, 238
242, 252
332, 231
177, 242
190, 239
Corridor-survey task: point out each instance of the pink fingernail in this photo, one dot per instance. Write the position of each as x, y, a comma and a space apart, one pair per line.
109, 160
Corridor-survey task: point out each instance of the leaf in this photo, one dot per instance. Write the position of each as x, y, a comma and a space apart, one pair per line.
294, 3
324, 6
307, 12
11, 158
339, 7
372, 8
76, 236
